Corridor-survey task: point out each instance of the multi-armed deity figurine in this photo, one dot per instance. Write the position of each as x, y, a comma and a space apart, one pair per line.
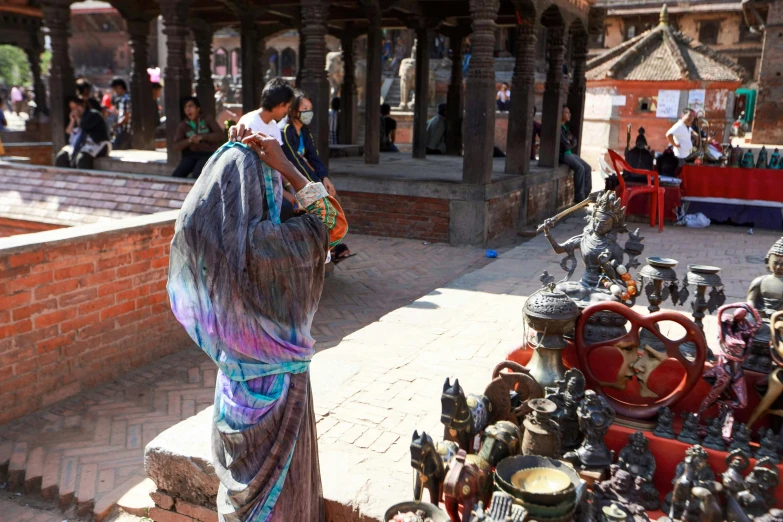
736, 334
766, 295
606, 276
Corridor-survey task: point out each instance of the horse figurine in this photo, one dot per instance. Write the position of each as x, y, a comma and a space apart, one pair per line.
464, 417
468, 481
430, 462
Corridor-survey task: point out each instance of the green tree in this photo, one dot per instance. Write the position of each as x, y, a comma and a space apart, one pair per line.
14, 68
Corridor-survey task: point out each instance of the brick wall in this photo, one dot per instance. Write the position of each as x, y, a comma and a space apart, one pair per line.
503, 214
769, 104
397, 216
13, 227
82, 305
38, 153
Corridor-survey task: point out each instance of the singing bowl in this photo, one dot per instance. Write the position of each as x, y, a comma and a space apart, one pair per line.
516, 476
430, 510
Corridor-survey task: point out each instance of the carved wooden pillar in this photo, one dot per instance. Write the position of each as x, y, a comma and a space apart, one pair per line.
479, 139
57, 19
348, 95
314, 83
261, 63
247, 37
552, 110
421, 101
576, 91
142, 105
454, 105
34, 58
520, 121
176, 74
372, 90
205, 89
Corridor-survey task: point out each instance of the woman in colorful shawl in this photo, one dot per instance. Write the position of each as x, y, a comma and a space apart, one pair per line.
197, 137
246, 287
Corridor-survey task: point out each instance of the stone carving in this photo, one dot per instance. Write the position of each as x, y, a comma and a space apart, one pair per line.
335, 73
637, 459
464, 417
595, 417
665, 426
407, 75
568, 395
765, 294
736, 334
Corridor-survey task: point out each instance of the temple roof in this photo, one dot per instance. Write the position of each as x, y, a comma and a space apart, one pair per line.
663, 54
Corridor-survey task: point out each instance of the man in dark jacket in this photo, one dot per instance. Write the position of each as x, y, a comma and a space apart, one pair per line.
583, 172
89, 137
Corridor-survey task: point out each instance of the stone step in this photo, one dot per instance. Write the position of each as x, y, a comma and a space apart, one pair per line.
6, 448
16, 466
34, 471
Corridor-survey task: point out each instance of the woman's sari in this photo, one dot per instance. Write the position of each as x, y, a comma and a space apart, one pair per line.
246, 287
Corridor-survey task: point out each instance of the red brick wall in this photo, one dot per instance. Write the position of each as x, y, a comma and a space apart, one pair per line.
39, 153
13, 227
503, 214
397, 216
81, 306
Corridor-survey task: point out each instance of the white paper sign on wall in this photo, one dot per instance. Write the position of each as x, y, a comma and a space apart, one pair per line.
618, 101
668, 104
696, 100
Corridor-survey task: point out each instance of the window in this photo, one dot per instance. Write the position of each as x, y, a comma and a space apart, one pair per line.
749, 64
644, 105
708, 32
630, 32
747, 36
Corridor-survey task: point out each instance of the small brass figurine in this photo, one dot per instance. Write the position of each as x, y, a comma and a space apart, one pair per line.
765, 294
665, 426
732, 479
691, 472
637, 459
568, 395
621, 490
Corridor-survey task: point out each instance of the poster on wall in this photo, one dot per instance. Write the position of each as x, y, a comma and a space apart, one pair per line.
668, 104
696, 100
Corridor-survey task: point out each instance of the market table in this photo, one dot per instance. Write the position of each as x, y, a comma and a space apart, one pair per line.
735, 195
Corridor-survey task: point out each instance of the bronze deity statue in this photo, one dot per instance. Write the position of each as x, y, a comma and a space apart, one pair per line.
691, 472
758, 496
621, 490
775, 381
595, 417
606, 276
765, 294
665, 426
637, 459
568, 395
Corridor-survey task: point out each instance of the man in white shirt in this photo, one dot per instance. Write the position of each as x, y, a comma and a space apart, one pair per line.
679, 136
275, 100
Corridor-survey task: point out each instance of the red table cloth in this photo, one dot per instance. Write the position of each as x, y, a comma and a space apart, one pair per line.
732, 183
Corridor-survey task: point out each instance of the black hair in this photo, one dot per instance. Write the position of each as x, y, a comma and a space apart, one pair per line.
442, 109
565, 106
336, 103
156, 85
641, 141
76, 100
687, 110
83, 86
118, 82
276, 92
506, 84
293, 109
184, 101
385, 109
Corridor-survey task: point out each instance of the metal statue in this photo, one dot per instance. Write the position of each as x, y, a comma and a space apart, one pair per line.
765, 294
542, 435
747, 160
740, 439
568, 395
692, 472
732, 479
509, 392
637, 459
690, 429
774, 160
775, 382
714, 438
769, 446
665, 426
595, 417
621, 490
736, 334
761, 161
760, 484
702, 277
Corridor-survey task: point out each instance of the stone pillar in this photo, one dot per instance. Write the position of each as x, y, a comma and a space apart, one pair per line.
142, 104
34, 58
479, 138
548, 155
372, 91
57, 19
576, 91
454, 105
247, 37
421, 85
520, 120
176, 75
769, 109
348, 95
205, 89
260, 63
314, 82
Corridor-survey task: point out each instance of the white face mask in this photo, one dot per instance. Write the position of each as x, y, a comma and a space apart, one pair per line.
306, 117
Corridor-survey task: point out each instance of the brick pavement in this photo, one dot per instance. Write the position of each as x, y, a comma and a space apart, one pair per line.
86, 453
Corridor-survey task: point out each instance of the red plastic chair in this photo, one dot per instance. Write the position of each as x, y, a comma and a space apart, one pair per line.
652, 187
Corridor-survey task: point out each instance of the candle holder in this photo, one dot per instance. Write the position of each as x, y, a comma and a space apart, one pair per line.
660, 283
702, 277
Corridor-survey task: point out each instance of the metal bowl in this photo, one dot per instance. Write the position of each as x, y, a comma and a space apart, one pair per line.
545, 481
430, 510
507, 475
661, 262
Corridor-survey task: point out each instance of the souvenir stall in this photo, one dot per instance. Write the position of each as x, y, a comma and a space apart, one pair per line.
606, 414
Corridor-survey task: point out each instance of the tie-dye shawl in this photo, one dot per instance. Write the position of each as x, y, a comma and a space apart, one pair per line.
246, 287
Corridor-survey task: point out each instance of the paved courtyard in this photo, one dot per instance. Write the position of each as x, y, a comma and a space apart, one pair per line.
398, 319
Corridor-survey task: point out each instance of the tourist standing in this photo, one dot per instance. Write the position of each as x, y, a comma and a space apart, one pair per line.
536, 134
17, 99
583, 178
436, 132
197, 137
388, 130
334, 122
265, 281
121, 106
84, 91
88, 137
